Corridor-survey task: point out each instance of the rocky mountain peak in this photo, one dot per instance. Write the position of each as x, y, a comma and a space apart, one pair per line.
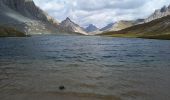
68, 25
163, 9
108, 27
169, 7
68, 19
68, 22
91, 28
159, 13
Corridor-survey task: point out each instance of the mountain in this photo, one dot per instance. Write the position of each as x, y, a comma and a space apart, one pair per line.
25, 16
108, 27
159, 29
91, 28
121, 25
159, 13
69, 26
7, 31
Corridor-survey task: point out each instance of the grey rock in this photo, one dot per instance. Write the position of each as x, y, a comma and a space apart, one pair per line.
68, 25
108, 27
25, 16
91, 28
159, 13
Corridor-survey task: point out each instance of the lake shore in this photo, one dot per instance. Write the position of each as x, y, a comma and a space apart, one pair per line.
58, 96
158, 37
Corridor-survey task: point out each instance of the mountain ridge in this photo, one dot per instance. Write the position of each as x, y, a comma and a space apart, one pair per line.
155, 29
122, 24
68, 25
25, 16
159, 13
91, 28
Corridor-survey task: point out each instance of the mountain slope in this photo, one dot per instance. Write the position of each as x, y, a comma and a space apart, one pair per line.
26, 17
91, 28
7, 31
159, 13
156, 28
120, 25
107, 27
69, 26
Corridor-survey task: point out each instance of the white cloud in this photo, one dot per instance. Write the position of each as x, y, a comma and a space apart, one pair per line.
100, 12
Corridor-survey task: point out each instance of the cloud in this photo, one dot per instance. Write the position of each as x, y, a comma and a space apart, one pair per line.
100, 12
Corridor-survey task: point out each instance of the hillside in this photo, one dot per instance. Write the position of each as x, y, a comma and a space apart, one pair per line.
154, 29
68, 25
120, 25
10, 32
25, 16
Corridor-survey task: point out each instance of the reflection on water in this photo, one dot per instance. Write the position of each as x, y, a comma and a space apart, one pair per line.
91, 68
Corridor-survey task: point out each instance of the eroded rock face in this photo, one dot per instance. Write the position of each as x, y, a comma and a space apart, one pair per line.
164, 11
69, 26
26, 16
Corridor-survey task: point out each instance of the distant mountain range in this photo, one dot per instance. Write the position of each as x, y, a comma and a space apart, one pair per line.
159, 13
155, 26
120, 25
158, 28
91, 28
26, 17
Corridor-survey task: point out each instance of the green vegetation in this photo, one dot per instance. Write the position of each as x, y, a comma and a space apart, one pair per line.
10, 32
156, 29
162, 37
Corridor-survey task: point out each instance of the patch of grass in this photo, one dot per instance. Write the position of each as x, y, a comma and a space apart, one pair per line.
10, 32
161, 37
125, 35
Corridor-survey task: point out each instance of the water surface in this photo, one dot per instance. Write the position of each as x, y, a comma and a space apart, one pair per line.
91, 68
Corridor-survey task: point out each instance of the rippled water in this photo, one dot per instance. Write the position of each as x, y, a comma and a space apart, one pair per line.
90, 68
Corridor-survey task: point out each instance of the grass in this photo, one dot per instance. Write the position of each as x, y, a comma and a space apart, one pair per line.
10, 32
150, 36
125, 35
156, 29
161, 37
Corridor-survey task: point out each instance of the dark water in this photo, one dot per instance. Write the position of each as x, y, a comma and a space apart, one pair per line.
102, 67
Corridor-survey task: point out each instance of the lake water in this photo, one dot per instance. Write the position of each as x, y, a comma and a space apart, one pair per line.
90, 68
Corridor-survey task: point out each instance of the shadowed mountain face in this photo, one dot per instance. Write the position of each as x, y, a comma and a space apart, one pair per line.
25, 16
108, 27
91, 28
69, 26
7, 31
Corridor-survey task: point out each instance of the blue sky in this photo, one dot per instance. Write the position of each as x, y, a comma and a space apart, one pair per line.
100, 12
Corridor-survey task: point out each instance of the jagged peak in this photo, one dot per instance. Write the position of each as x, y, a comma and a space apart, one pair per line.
91, 25
68, 19
163, 9
169, 7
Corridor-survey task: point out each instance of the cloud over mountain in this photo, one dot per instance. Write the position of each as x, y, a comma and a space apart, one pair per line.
100, 12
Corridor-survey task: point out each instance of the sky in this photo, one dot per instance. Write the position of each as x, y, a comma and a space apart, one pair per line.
100, 12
